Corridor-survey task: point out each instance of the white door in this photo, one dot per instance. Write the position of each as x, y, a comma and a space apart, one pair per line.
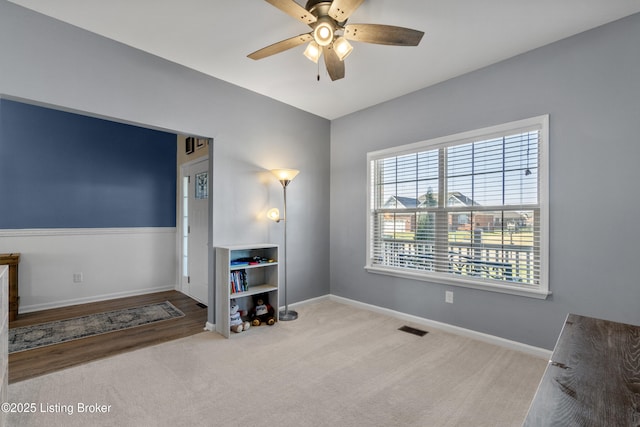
195, 214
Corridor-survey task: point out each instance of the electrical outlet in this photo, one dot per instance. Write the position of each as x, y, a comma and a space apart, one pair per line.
77, 278
448, 297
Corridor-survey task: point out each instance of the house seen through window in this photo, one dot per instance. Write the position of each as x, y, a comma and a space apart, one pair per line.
468, 209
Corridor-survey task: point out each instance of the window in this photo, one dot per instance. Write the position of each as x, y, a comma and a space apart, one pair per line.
467, 209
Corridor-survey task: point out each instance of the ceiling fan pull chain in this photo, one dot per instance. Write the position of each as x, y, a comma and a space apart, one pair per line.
318, 64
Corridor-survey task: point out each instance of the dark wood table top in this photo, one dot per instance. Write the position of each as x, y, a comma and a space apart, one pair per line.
593, 377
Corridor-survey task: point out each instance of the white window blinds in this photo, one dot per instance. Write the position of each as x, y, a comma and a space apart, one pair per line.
466, 209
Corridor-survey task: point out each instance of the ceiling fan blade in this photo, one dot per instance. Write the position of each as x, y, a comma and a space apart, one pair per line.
281, 46
382, 34
335, 67
341, 10
294, 10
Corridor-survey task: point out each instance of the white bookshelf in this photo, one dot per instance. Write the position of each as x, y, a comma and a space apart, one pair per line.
261, 278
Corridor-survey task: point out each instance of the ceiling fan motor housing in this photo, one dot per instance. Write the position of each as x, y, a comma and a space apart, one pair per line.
320, 8
311, 4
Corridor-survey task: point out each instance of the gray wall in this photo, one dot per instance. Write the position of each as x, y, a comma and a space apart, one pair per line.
52, 63
589, 85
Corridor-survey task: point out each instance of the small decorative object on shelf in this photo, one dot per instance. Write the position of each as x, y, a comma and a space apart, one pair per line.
246, 282
236, 322
262, 312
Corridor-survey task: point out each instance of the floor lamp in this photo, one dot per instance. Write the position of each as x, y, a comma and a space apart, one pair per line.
285, 176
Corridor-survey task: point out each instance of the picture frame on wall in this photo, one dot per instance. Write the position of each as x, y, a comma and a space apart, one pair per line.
200, 143
202, 185
190, 145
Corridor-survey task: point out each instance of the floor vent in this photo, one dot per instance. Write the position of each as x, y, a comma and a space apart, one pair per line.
201, 305
413, 331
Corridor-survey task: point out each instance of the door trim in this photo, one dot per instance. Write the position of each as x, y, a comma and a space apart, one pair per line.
180, 217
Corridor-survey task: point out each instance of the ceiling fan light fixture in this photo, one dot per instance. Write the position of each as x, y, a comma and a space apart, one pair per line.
313, 51
342, 48
323, 34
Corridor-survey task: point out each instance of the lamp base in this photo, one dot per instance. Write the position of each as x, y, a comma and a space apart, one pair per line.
287, 315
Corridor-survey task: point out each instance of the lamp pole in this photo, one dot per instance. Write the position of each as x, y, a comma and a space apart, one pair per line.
286, 314
285, 176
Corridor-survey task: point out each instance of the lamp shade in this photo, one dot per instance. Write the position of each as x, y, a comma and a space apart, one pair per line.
285, 174
342, 48
274, 214
313, 51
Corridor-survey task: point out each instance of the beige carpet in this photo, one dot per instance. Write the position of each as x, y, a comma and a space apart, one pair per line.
334, 366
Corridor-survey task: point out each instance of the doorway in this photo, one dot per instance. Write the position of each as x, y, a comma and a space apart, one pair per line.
194, 229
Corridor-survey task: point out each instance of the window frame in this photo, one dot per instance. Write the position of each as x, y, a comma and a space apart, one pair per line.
540, 123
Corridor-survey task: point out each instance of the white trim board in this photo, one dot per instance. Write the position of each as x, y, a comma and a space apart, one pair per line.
491, 339
37, 232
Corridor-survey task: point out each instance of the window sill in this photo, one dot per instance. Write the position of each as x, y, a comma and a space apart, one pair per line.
465, 283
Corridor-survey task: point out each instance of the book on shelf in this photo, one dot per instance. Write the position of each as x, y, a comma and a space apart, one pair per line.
238, 281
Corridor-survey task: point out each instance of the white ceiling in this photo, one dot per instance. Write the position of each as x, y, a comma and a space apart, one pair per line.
214, 37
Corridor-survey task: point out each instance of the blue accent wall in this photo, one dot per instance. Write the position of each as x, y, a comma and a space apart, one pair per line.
64, 170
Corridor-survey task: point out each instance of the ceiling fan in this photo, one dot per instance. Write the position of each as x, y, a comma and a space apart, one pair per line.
330, 33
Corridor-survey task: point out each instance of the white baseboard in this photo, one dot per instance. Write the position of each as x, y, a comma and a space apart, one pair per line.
308, 301
95, 298
491, 339
211, 327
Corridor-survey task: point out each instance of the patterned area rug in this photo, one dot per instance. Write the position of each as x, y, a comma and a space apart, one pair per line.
30, 337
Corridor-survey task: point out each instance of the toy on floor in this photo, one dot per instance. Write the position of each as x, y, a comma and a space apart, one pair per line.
235, 321
262, 312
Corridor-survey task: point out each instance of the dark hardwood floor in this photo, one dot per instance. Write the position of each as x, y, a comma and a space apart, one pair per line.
44, 360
